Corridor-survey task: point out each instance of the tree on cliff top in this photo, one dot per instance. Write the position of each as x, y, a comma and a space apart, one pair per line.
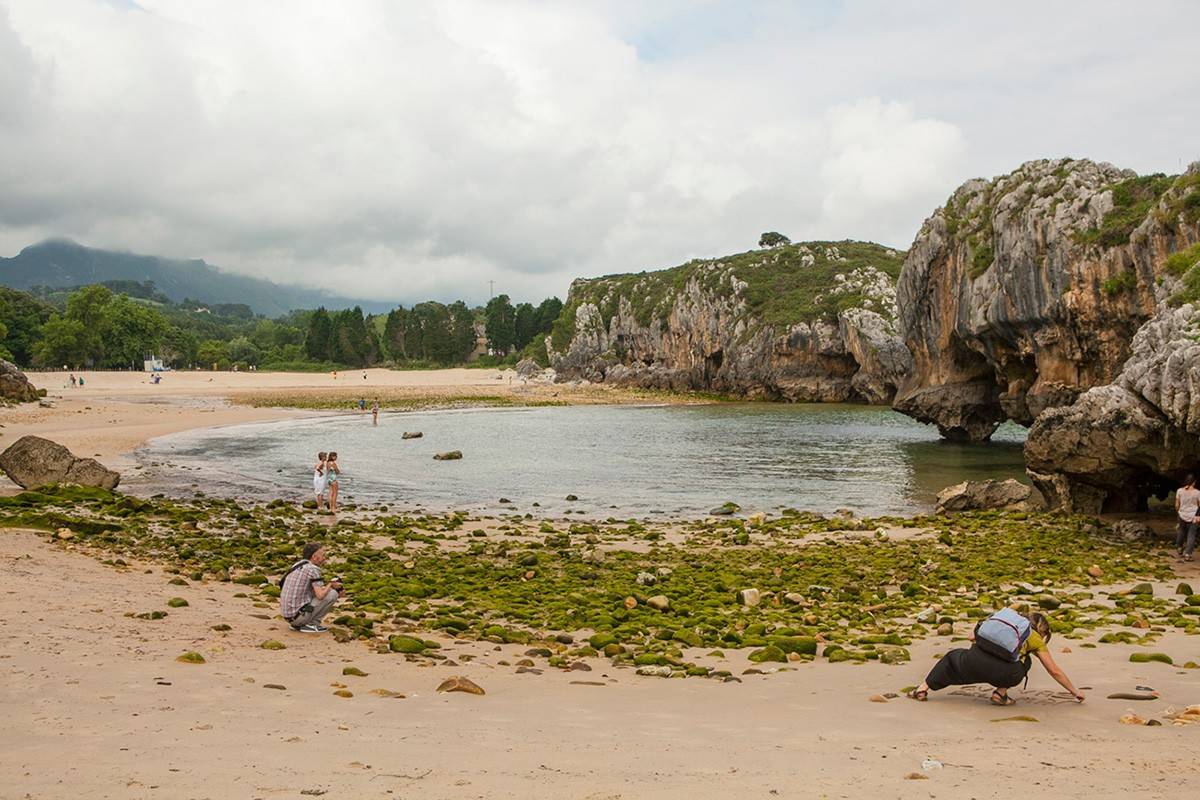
501, 324
773, 239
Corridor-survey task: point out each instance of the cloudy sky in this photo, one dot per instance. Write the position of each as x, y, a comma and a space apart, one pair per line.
412, 150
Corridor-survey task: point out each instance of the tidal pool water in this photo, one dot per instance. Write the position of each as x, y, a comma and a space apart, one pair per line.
620, 461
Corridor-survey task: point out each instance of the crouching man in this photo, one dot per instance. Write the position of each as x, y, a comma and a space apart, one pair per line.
304, 597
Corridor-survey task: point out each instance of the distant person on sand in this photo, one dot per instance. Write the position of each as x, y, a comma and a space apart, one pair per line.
362, 404
73, 381
304, 597
319, 480
81, 381
1187, 504
333, 473
1001, 654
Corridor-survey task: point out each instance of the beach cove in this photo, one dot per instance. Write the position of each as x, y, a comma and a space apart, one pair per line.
721, 730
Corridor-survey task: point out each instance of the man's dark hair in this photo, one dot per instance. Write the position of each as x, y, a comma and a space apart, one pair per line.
310, 550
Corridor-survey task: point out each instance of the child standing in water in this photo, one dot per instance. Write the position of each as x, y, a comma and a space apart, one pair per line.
332, 472
319, 480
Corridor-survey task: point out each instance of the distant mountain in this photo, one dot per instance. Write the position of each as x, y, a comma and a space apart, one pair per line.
60, 263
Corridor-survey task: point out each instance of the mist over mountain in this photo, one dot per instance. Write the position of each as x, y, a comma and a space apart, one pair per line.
61, 263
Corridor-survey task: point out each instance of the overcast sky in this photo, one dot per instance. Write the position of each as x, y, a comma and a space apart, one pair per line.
414, 150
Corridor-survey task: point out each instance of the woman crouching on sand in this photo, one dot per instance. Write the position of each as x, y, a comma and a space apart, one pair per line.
1001, 655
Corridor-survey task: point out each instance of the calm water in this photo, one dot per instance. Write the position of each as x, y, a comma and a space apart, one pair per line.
620, 461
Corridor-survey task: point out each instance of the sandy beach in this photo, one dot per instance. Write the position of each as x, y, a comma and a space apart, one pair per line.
83, 679
99, 706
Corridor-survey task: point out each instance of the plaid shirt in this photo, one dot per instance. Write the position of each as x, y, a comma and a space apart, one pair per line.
297, 589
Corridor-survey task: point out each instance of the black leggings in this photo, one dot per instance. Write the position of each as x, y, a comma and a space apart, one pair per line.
960, 667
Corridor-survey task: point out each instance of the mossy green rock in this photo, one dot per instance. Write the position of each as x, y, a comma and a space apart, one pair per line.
690, 638
176, 602
1142, 658
1193, 600
1142, 588
272, 644
1184, 588
599, 641
355, 671
191, 657
400, 643
804, 645
768, 653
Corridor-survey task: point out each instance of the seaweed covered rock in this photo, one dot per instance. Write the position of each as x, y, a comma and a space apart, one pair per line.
33, 461
1007, 495
1024, 291
14, 386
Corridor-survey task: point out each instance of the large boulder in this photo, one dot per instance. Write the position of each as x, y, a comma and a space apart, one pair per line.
1007, 495
33, 461
528, 368
14, 386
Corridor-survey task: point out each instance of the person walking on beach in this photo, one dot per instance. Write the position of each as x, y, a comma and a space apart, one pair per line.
375, 412
1187, 505
319, 480
362, 404
73, 381
1000, 654
332, 473
304, 597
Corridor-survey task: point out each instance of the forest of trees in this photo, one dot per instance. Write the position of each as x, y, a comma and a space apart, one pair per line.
117, 324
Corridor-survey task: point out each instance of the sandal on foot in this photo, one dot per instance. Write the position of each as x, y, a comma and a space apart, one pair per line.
918, 694
1002, 699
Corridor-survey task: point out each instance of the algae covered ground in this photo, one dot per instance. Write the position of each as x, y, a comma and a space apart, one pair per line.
658, 596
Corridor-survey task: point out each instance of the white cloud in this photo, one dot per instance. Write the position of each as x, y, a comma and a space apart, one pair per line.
413, 150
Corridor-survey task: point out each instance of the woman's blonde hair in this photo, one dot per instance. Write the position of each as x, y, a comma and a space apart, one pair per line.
1040, 624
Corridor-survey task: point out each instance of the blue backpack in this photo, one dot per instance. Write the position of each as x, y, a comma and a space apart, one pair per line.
1002, 634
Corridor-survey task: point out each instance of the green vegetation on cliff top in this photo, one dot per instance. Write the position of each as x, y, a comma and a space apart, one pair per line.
782, 287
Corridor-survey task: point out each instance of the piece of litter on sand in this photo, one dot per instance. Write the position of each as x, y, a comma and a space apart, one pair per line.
931, 763
916, 776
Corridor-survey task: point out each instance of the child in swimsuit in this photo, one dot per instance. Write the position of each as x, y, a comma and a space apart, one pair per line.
332, 472
319, 480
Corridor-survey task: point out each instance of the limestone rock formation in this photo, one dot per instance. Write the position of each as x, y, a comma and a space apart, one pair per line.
32, 461
1120, 444
1024, 291
1008, 495
807, 322
14, 386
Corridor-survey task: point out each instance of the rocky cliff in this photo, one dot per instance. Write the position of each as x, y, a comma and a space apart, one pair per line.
1120, 444
804, 322
1024, 291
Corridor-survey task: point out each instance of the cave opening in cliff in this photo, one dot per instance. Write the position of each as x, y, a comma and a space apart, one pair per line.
713, 362
1137, 492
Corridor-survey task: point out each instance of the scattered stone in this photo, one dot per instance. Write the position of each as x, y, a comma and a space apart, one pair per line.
631, 603
1017, 718
1095, 571
272, 644
1131, 530
877, 698
725, 509
1006, 495
400, 643
646, 579
278, 686
580, 666
587, 683
343, 693
749, 597
793, 598
1131, 719
221, 628
457, 684
658, 602
449, 455
1142, 588
916, 776
411, 435
387, 693
191, 657
651, 671
1142, 658
65, 534
570, 498
1184, 589
355, 671
1133, 696
176, 602
32, 461
945, 629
